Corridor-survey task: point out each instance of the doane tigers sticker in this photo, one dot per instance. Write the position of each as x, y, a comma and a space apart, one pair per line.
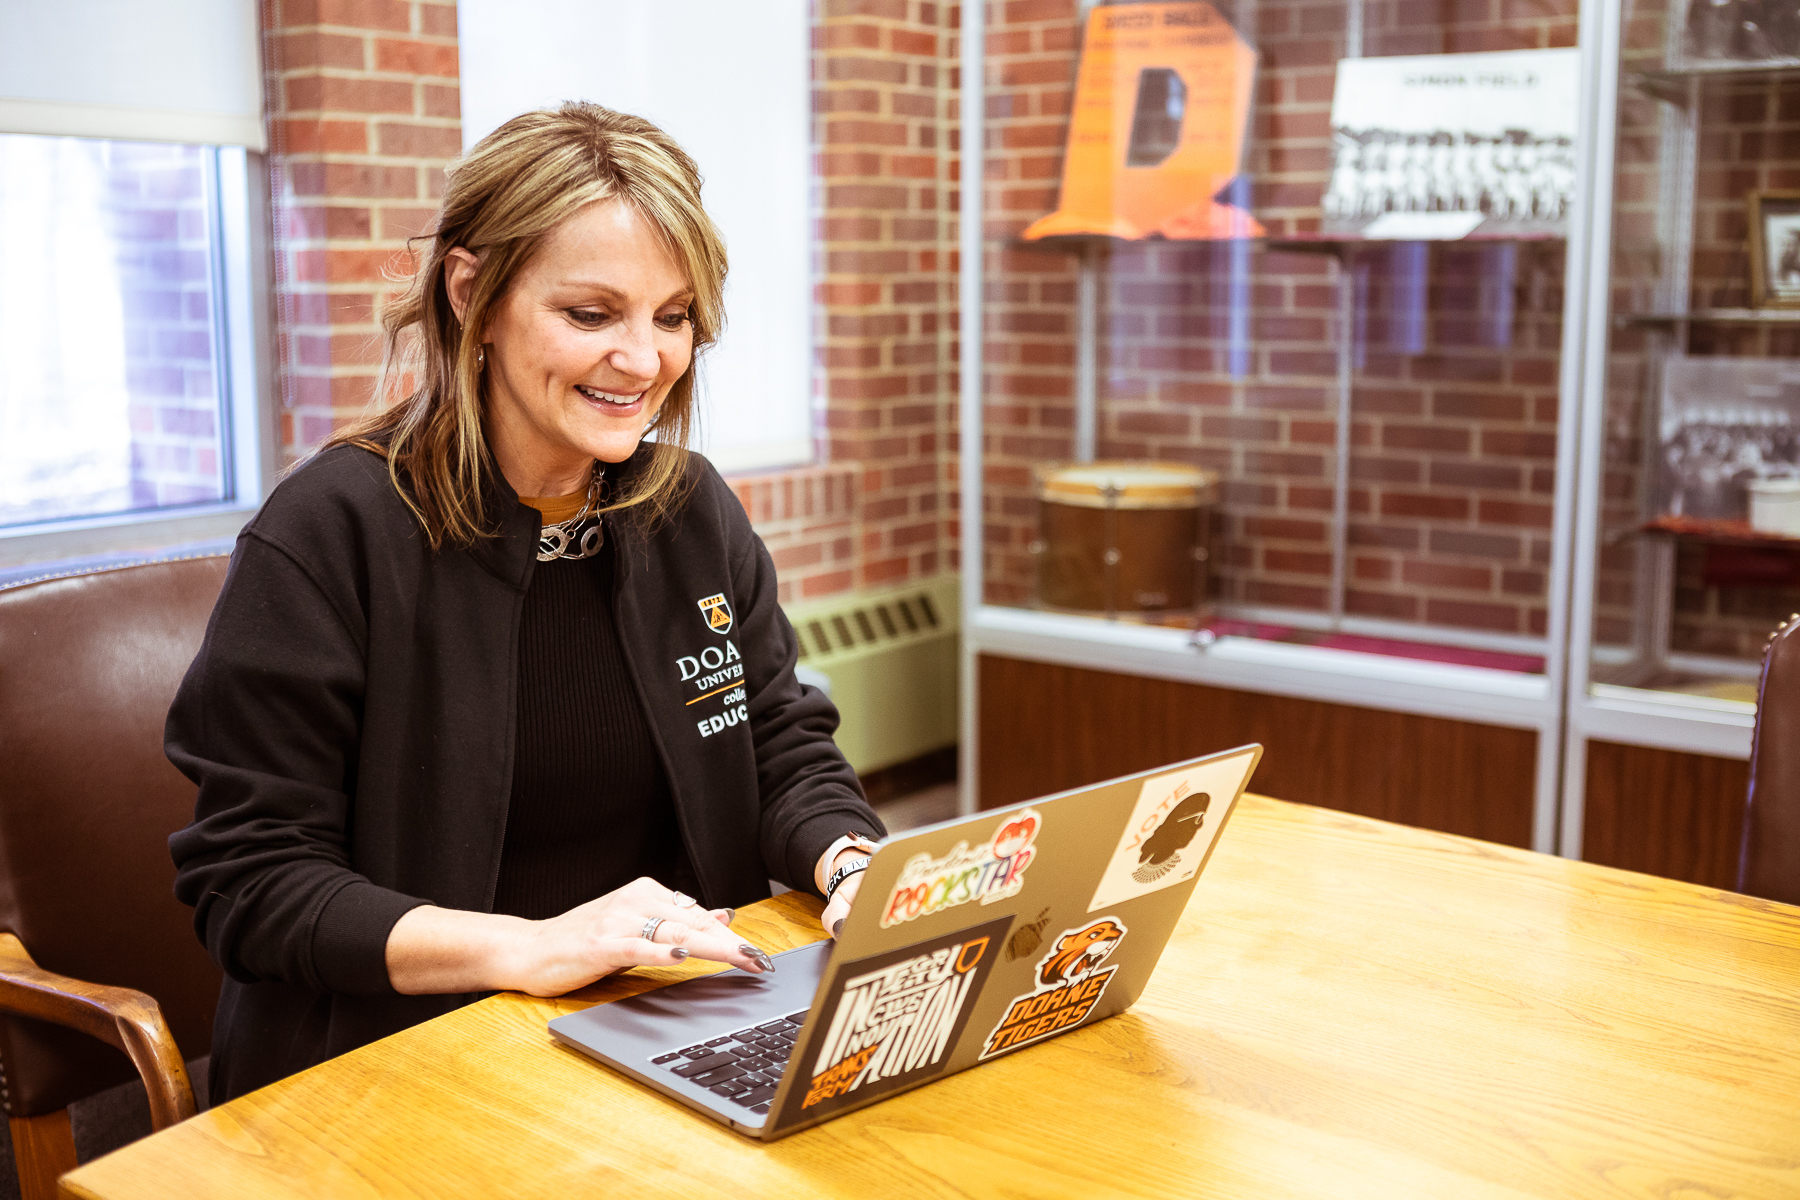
1066, 989
717, 611
891, 1019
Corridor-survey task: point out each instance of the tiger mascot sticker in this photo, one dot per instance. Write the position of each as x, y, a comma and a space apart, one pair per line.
1068, 986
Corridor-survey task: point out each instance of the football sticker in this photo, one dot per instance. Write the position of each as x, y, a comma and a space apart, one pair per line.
991, 871
1027, 938
1171, 829
890, 1019
1066, 989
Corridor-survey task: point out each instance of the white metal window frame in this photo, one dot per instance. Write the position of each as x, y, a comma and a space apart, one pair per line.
1536, 702
245, 363
1598, 711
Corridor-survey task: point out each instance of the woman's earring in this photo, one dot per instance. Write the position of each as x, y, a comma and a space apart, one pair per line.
480, 357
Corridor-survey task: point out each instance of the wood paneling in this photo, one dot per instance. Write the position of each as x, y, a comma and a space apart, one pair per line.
44, 1149
1664, 813
1045, 728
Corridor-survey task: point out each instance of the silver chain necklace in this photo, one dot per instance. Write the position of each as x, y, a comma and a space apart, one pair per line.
560, 541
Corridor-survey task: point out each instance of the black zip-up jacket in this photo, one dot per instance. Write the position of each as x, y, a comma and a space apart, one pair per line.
350, 723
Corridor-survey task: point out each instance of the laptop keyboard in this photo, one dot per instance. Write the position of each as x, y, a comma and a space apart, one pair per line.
743, 1066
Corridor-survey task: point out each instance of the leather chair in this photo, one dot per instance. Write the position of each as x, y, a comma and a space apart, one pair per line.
1769, 865
90, 929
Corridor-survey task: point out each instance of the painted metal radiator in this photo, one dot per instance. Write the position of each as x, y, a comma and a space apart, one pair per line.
890, 656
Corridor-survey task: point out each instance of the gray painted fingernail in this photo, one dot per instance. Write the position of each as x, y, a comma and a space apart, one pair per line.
678, 952
837, 927
763, 961
730, 915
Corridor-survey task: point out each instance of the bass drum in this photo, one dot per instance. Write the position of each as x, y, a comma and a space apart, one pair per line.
1125, 537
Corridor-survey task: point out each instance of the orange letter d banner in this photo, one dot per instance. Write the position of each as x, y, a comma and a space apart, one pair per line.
1162, 106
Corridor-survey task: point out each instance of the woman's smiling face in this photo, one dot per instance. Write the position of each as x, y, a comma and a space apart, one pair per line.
583, 348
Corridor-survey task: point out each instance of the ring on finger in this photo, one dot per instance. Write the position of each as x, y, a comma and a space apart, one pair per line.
683, 900
651, 925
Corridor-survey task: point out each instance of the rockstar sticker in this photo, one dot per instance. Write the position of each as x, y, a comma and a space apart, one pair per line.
990, 871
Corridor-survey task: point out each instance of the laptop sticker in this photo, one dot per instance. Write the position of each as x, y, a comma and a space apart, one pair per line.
889, 1020
1172, 827
1027, 938
1068, 985
991, 871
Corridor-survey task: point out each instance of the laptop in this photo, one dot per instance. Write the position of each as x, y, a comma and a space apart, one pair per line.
970, 940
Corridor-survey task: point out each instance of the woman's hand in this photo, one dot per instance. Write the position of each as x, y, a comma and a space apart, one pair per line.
432, 950
841, 900
606, 935
839, 906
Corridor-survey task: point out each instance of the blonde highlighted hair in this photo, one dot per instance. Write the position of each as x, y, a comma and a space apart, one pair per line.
515, 186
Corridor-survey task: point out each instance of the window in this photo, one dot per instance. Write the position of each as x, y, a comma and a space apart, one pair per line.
112, 399
129, 192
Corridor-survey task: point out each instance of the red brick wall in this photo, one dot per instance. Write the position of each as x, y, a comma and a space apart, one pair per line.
363, 117
886, 118
1452, 471
1453, 446
808, 519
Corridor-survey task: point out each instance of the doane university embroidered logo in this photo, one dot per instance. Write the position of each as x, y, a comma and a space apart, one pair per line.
717, 611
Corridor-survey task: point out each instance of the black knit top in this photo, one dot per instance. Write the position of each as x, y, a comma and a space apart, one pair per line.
591, 808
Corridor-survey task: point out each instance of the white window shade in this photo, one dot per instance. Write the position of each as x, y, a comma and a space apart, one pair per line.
133, 70
729, 81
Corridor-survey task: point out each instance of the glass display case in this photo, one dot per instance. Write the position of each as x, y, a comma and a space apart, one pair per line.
1481, 353
1686, 559
1325, 259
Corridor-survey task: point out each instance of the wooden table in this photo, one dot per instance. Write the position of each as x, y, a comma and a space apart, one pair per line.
1349, 1009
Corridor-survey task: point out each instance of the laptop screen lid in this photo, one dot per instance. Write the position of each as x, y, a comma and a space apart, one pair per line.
979, 936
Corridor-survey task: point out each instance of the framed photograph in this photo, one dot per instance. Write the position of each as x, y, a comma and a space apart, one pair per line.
1435, 147
1775, 249
1725, 422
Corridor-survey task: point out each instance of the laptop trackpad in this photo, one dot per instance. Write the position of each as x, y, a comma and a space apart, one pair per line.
715, 1004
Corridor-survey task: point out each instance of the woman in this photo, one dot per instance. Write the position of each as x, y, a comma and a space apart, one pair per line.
496, 687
